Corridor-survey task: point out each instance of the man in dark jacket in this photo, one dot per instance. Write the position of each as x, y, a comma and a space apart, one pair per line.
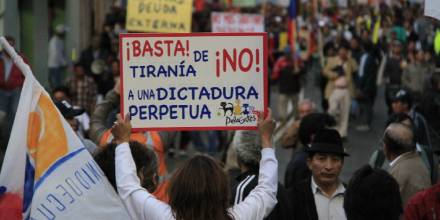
393, 73
289, 75
321, 196
248, 147
430, 107
366, 85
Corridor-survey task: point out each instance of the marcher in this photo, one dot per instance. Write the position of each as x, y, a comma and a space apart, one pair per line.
339, 89
406, 166
248, 147
289, 74
191, 197
11, 82
394, 67
424, 205
402, 102
321, 196
57, 61
365, 92
82, 88
290, 136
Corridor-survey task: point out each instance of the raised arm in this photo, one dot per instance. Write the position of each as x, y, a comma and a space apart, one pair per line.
328, 72
262, 199
138, 201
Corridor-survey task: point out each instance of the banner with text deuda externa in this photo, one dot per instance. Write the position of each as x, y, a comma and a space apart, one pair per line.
160, 16
200, 81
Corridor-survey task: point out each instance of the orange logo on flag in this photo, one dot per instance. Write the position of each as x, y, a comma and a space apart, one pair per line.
46, 140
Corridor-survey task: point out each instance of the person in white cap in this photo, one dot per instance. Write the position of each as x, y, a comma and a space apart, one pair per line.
56, 57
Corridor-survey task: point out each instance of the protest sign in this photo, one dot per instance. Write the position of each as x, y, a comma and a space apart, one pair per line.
432, 8
162, 16
196, 81
235, 22
47, 173
244, 3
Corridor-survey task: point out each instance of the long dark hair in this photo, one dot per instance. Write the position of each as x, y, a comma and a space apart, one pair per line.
372, 194
144, 159
199, 190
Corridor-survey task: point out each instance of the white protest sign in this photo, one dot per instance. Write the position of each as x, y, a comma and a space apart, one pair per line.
432, 8
235, 22
197, 81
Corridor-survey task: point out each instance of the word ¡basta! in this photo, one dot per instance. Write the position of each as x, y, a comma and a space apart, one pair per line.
157, 48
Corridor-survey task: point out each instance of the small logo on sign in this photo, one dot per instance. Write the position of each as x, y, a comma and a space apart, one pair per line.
238, 113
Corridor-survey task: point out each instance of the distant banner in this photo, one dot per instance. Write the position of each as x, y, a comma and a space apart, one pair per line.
47, 173
432, 8
159, 16
342, 3
235, 22
200, 81
244, 3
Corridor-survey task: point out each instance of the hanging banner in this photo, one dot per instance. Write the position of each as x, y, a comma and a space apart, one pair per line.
47, 173
244, 3
432, 8
235, 22
159, 16
200, 81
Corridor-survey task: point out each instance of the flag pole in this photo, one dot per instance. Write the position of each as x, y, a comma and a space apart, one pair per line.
25, 69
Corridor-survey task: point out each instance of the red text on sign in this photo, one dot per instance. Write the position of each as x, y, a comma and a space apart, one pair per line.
242, 60
157, 48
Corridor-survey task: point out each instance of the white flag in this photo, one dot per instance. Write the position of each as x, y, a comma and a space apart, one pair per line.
432, 8
47, 173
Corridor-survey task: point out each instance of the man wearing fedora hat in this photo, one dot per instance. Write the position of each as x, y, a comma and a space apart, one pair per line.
321, 197
57, 60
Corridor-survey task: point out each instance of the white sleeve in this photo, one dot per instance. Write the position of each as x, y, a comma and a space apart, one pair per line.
140, 204
262, 199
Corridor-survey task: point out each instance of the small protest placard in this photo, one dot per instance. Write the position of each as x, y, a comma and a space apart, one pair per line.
236, 22
200, 81
432, 8
244, 3
162, 16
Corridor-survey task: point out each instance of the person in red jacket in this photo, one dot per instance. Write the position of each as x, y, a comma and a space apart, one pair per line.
424, 205
11, 81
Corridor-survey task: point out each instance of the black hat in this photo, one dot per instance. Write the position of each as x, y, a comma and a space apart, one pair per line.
327, 141
67, 109
403, 96
311, 124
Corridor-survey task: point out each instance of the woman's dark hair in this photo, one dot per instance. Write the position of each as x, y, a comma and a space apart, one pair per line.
62, 89
399, 118
199, 190
144, 158
372, 194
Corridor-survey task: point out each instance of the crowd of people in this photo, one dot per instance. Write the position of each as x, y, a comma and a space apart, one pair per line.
350, 54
